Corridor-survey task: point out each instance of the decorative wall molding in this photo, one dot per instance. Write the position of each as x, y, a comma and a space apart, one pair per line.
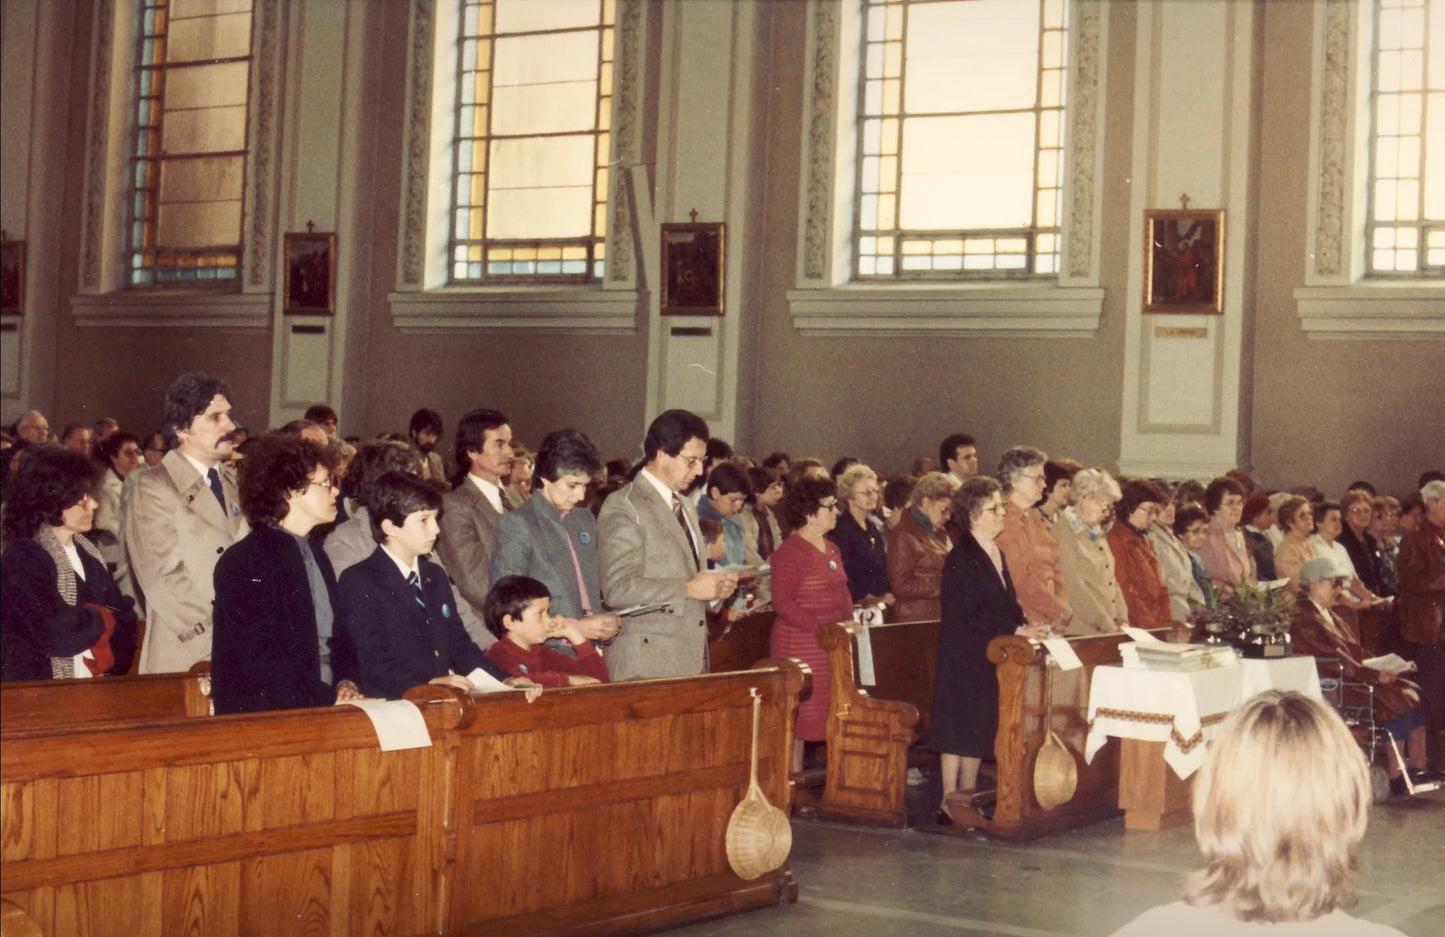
594, 311
989, 310
626, 141
97, 146
1084, 112
164, 309
260, 231
1386, 310
822, 142
418, 143
1334, 140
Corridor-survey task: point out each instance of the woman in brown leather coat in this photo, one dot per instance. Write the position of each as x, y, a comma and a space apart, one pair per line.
917, 548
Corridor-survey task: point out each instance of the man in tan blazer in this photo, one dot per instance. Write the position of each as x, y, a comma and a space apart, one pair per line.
651, 552
180, 517
470, 511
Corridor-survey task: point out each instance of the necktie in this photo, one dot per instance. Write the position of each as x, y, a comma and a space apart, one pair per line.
415, 582
686, 531
214, 477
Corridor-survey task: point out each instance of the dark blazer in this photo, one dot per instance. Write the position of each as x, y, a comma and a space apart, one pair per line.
265, 654
36, 624
976, 608
532, 541
399, 644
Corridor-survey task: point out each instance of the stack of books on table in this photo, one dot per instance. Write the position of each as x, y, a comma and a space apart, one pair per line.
1181, 658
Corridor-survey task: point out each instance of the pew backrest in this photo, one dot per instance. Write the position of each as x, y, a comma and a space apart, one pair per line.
40, 703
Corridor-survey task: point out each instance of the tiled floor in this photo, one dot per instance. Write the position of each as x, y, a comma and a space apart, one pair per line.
862, 882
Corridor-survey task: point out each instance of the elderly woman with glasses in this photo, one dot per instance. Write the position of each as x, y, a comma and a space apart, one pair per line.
1136, 566
1032, 550
1085, 557
61, 615
979, 604
810, 589
275, 590
918, 546
1225, 552
861, 538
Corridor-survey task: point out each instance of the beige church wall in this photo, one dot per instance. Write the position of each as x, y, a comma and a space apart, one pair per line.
1326, 411
889, 400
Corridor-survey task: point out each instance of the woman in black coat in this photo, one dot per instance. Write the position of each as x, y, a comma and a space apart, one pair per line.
978, 605
61, 614
275, 591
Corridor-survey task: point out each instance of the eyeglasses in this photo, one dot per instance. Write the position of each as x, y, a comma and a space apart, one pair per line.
327, 483
692, 460
830, 506
1032, 477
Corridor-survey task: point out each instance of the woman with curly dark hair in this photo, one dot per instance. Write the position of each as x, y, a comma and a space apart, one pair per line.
62, 613
275, 590
810, 589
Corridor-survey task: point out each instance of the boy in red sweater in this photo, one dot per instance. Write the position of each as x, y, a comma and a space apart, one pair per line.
517, 611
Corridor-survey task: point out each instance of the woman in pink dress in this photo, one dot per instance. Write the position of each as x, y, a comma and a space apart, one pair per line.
810, 589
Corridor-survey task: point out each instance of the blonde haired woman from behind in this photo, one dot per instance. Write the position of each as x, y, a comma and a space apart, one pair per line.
1280, 807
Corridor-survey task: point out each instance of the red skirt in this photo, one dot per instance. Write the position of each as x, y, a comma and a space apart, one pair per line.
813, 709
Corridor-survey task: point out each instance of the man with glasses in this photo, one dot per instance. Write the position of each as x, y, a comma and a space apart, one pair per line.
652, 553
179, 518
275, 590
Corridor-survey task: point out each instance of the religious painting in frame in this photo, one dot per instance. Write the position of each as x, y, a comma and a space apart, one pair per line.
310, 274
12, 278
1184, 261
692, 269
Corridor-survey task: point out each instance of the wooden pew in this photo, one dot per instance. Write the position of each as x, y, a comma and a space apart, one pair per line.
594, 810
39, 703
870, 730
738, 643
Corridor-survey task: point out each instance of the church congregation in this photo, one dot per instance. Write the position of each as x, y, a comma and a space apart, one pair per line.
467, 464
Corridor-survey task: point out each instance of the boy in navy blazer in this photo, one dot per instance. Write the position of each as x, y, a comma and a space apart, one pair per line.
398, 610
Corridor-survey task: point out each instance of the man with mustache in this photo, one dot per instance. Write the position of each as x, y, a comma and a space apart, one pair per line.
181, 516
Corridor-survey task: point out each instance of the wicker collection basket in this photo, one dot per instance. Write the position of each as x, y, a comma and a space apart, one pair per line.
759, 835
1056, 774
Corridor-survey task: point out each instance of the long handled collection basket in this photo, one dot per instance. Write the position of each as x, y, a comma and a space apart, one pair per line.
1056, 774
759, 835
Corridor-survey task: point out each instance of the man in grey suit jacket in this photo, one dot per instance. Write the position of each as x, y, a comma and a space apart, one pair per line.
470, 510
652, 552
181, 516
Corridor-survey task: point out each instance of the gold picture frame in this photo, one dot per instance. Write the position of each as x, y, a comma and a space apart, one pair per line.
310, 270
1184, 261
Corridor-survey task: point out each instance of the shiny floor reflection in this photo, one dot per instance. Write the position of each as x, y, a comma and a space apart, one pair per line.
862, 882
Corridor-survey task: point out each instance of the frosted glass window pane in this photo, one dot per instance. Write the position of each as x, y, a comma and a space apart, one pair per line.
200, 224
1435, 144
537, 60
540, 213
514, 16
181, 9
967, 172
210, 37
545, 108
542, 161
204, 131
208, 85
1437, 44
975, 55
216, 178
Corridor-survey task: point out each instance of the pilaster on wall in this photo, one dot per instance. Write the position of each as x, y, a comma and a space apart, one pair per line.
704, 141
318, 185
1193, 124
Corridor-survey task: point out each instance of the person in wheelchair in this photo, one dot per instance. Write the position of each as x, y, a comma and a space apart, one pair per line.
1318, 631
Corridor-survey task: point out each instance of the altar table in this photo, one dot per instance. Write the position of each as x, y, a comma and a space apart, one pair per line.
1163, 720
